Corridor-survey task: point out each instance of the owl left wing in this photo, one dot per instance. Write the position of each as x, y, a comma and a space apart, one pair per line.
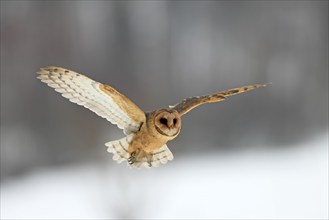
100, 98
189, 103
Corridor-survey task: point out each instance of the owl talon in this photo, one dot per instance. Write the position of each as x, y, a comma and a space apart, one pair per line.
149, 159
132, 159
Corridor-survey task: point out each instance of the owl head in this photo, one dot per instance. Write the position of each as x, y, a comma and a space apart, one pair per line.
167, 122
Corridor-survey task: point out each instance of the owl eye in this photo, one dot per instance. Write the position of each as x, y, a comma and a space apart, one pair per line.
163, 121
175, 121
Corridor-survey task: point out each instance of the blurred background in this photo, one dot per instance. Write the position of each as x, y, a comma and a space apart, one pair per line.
261, 154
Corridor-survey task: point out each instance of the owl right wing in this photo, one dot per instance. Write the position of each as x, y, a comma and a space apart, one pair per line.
100, 98
188, 104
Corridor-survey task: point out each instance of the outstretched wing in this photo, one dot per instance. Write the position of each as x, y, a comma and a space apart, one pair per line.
100, 98
189, 103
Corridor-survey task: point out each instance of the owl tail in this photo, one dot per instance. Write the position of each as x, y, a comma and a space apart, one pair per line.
139, 158
161, 156
153, 159
119, 148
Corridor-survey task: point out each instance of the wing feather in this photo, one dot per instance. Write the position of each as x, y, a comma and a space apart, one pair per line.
189, 103
100, 98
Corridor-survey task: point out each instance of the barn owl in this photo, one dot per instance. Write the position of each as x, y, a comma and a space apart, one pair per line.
147, 133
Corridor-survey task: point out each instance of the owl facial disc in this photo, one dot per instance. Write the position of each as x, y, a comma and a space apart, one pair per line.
167, 122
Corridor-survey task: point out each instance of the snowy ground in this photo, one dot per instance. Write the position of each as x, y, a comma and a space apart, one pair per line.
282, 183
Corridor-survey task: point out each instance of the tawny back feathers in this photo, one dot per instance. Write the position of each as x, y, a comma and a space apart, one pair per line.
188, 104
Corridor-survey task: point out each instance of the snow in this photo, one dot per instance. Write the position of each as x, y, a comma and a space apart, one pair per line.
290, 182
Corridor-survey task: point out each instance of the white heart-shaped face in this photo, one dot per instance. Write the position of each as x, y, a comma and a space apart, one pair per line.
167, 122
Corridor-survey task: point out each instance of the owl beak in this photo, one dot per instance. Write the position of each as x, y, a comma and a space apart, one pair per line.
170, 123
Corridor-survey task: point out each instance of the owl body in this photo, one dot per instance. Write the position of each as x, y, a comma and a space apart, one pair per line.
146, 133
148, 139
148, 145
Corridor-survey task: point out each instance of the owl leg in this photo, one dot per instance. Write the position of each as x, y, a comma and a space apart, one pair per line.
133, 156
149, 159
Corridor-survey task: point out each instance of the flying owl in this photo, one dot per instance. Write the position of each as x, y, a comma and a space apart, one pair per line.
147, 133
